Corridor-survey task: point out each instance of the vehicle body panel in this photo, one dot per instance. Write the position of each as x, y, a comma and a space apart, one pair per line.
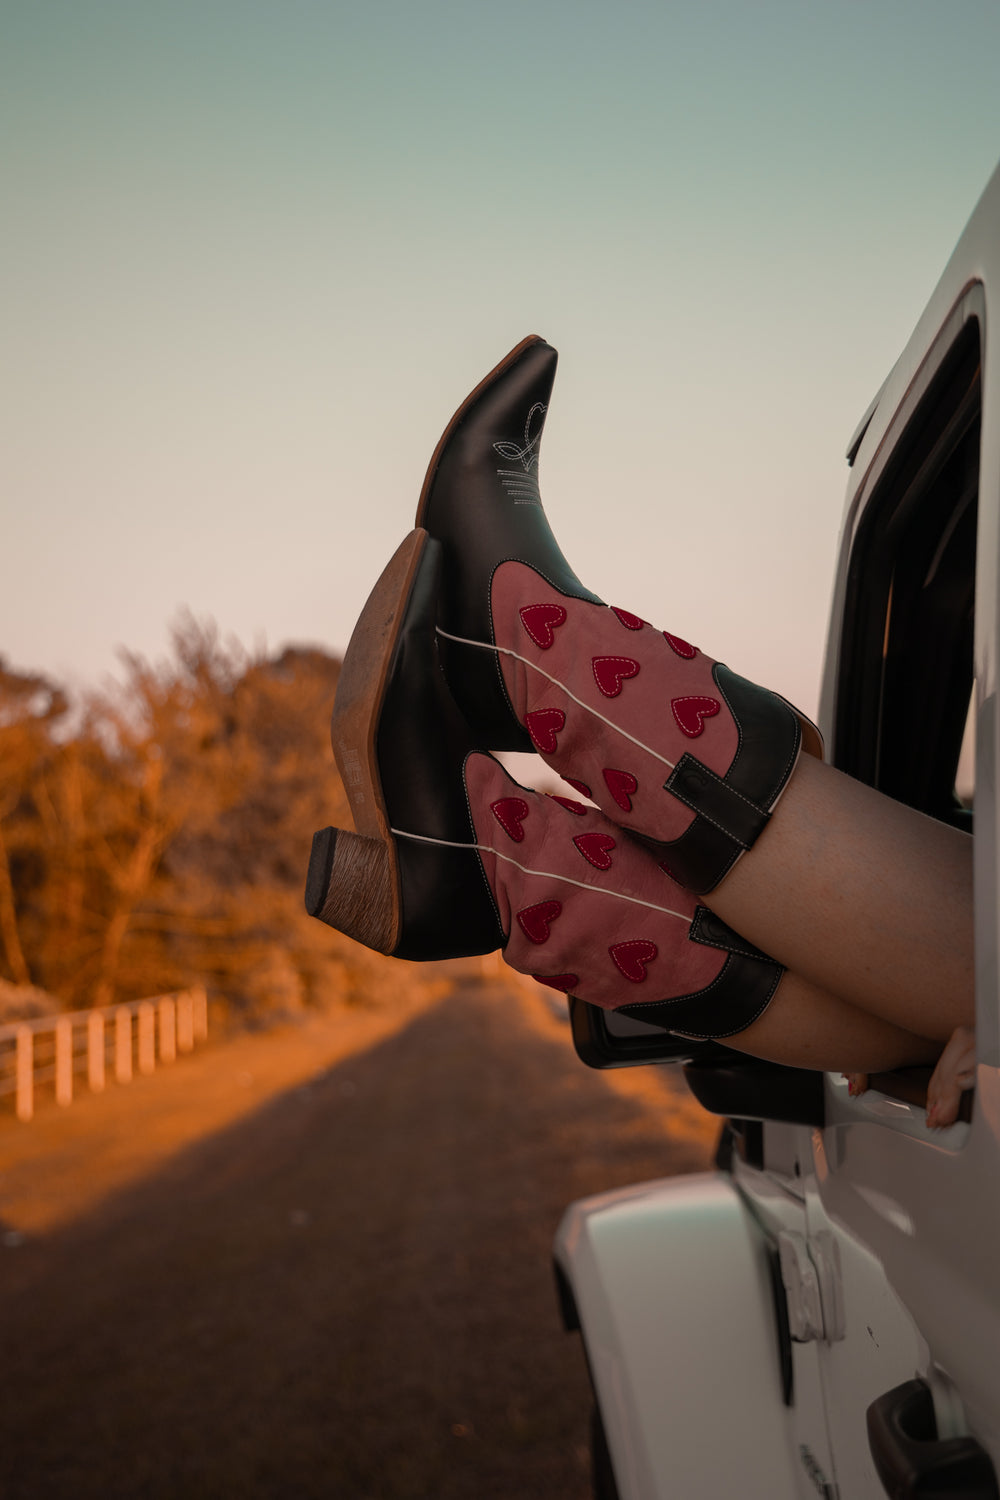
925, 1204
671, 1286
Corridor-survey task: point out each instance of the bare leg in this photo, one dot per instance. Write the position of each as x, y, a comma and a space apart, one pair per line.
806, 1027
862, 898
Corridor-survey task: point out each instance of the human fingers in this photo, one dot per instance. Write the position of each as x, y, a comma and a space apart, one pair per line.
954, 1073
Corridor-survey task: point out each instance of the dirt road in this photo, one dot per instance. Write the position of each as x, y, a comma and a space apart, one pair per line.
313, 1283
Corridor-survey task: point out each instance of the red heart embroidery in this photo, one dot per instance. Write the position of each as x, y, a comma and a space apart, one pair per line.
611, 671
630, 621
578, 786
574, 807
691, 714
565, 983
541, 621
543, 725
632, 958
534, 920
595, 848
621, 785
680, 647
510, 812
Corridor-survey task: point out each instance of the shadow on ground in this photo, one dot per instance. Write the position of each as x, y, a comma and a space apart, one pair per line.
346, 1295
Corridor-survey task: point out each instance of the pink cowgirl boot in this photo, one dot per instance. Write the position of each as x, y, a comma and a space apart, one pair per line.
587, 911
669, 743
452, 857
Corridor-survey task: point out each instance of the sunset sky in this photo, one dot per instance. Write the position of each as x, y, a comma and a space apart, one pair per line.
255, 254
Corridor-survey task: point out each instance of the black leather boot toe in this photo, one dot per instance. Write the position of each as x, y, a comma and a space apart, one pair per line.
481, 501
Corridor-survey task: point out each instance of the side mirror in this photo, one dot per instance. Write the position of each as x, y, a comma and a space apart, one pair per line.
745, 1088
607, 1039
724, 1081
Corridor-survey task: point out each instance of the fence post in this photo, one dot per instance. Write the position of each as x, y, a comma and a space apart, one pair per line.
25, 1096
166, 1024
95, 1051
185, 1022
123, 1044
64, 1060
145, 1017
200, 1013
168, 1029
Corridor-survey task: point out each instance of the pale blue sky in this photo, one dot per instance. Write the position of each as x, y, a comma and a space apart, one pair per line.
255, 254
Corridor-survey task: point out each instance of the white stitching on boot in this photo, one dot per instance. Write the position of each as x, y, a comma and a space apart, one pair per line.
599, 890
505, 651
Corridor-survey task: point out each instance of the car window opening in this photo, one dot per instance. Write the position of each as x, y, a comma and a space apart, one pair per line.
905, 712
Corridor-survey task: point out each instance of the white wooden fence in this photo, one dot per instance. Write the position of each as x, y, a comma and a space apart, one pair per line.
121, 1040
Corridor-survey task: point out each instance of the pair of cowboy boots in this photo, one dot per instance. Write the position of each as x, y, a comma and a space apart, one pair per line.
478, 634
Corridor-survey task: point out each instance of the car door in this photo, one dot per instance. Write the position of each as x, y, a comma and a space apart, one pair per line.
908, 1220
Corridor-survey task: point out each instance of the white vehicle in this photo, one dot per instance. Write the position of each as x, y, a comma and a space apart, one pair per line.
822, 1314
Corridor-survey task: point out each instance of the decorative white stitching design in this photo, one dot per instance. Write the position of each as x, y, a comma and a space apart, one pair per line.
527, 456
522, 491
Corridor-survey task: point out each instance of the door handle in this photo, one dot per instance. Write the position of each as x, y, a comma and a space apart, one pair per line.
913, 1463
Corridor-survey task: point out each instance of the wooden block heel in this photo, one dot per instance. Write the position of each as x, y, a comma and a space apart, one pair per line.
350, 886
409, 881
363, 683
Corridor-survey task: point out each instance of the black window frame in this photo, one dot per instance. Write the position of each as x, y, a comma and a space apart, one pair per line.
906, 663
